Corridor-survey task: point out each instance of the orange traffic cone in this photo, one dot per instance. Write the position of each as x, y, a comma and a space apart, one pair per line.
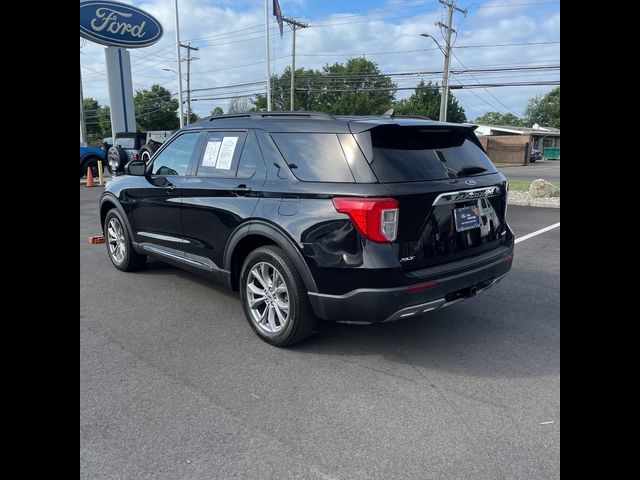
90, 182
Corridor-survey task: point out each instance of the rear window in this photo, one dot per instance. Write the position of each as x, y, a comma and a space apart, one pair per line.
314, 157
126, 142
403, 154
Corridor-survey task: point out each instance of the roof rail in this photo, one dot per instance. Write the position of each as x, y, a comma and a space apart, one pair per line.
391, 113
262, 115
421, 117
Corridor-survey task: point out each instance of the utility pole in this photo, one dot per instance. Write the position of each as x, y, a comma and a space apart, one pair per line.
266, 50
179, 65
444, 99
293, 24
189, 59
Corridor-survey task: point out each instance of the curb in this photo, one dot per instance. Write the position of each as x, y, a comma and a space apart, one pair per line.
83, 181
533, 203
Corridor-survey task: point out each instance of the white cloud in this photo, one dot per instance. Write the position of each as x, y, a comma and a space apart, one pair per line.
230, 33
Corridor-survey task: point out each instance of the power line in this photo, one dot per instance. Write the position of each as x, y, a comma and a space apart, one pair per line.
516, 4
327, 78
434, 87
506, 44
492, 95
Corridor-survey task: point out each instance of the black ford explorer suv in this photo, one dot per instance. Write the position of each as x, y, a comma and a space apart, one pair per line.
310, 216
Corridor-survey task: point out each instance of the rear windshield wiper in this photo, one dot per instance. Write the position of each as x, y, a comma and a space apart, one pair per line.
470, 170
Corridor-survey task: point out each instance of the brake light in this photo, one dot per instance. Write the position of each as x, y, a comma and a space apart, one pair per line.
375, 218
136, 157
421, 286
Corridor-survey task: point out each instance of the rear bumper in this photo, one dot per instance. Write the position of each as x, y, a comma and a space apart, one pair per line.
368, 305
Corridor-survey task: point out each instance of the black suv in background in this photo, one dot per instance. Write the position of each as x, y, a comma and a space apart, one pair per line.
358, 219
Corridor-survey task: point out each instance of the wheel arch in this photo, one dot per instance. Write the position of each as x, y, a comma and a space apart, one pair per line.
89, 156
108, 202
255, 234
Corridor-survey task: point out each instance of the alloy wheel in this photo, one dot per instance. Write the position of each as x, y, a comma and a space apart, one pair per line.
116, 240
268, 298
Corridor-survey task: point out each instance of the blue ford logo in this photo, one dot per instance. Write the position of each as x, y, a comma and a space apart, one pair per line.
470, 182
117, 24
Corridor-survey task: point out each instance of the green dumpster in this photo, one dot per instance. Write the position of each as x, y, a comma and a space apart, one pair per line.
551, 153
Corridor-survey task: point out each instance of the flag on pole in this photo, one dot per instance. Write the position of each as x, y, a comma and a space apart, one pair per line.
278, 13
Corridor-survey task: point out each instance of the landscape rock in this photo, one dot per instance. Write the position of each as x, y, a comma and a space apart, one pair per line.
524, 198
542, 189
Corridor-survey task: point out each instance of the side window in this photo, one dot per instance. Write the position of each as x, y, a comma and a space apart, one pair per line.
314, 157
251, 158
221, 154
175, 158
273, 160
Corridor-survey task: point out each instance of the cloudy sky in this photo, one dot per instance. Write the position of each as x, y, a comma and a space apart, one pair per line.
230, 35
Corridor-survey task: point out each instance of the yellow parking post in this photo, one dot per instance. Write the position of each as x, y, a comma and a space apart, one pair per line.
100, 177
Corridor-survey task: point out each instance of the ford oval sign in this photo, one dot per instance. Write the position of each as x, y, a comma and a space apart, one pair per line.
118, 24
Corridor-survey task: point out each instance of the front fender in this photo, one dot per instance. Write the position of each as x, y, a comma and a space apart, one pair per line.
108, 197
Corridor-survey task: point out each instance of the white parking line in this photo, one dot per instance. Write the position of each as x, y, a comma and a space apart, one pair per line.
537, 232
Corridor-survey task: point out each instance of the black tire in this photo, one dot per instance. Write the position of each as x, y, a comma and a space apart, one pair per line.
301, 319
131, 260
117, 156
146, 152
90, 162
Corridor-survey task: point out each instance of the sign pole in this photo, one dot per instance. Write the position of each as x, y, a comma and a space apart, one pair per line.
179, 65
119, 27
266, 38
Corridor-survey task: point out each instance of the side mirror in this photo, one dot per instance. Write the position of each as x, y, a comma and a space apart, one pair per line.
135, 167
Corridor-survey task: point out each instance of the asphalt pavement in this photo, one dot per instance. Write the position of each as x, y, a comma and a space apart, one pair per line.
175, 385
546, 169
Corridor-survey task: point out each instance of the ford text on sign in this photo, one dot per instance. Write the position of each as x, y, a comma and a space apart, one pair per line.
118, 24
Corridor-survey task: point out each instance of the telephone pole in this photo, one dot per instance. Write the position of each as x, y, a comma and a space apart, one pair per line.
293, 24
444, 99
189, 59
178, 63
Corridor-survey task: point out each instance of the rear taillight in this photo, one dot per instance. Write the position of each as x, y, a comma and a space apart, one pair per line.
375, 218
136, 157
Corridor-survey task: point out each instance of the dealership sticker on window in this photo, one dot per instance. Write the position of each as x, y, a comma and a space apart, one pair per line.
211, 152
226, 152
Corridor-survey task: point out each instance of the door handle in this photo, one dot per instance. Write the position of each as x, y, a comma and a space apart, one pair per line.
241, 190
170, 188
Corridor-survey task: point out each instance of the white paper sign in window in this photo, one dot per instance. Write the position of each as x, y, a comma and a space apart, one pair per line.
211, 152
226, 153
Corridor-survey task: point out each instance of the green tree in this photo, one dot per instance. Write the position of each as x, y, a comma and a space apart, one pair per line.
544, 110
497, 118
97, 120
155, 109
104, 121
305, 99
425, 100
355, 88
193, 118
217, 111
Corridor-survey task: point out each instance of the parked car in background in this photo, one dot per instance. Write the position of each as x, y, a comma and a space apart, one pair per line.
535, 155
89, 157
128, 146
